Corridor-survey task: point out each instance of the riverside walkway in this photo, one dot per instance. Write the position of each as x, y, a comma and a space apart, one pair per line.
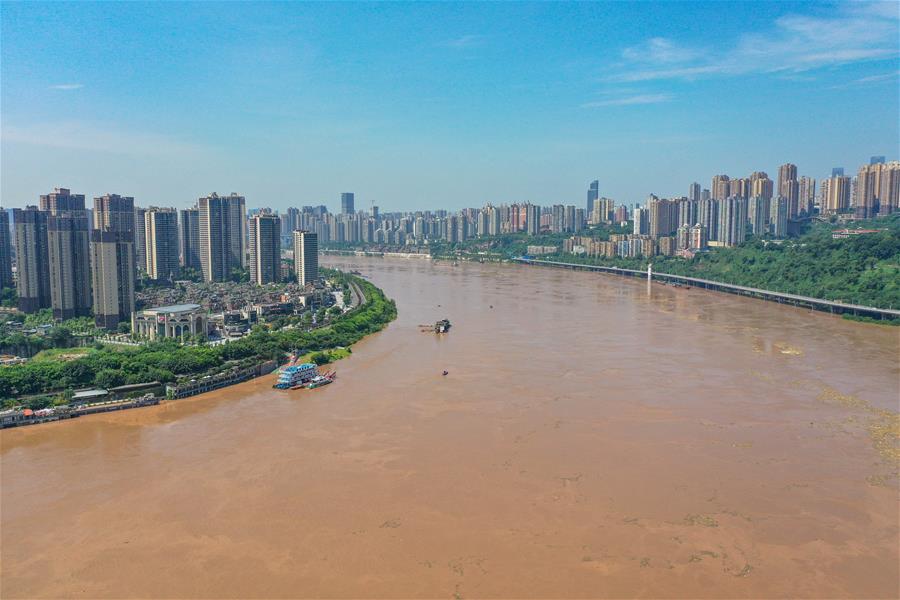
831, 306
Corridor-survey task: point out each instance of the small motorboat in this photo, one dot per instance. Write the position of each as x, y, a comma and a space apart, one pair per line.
445, 373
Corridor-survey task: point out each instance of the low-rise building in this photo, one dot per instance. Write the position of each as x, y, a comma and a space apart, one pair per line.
176, 321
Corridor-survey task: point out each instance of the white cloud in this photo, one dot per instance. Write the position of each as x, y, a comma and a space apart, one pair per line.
866, 80
629, 100
855, 32
67, 86
659, 50
465, 41
77, 135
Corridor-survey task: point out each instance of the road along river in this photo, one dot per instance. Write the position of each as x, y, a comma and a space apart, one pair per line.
594, 438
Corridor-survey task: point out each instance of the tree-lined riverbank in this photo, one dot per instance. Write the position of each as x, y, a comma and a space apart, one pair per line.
168, 362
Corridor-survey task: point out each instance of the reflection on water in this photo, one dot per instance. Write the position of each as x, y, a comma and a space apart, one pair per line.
595, 436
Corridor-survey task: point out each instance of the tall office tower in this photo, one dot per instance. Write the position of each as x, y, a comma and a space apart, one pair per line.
778, 217
161, 232
32, 262
694, 192
836, 194
306, 257
641, 221
592, 194
709, 217
61, 199
189, 238
140, 239
112, 257
663, 217
732, 221
347, 201
375, 214
6, 278
837, 171
761, 185
876, 160
720, 188
705, 195
758, 213
806, 195
222, 235
533, 219
113, 212
68, 250
265, 249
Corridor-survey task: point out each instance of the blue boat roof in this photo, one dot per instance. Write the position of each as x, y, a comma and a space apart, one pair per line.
293, 368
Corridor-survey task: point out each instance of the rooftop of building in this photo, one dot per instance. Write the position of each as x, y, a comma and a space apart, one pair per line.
174, 308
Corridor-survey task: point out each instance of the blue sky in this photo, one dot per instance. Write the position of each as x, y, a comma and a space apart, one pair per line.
437, 105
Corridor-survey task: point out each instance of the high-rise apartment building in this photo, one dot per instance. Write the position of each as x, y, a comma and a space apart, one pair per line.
161, 243
694, 192
807, 196
222, 235
663, 217
687, 211
265, 249
347, 201
732, 221
761, 185
68, 258
720, 188
836, 194
189, 238
532, 219
641, 221
112, 258
61, 199
140, 238
778, 217
789, 188
877, 189
113, 212
786, 172
758, 214
306, 257
32, 259
6, 278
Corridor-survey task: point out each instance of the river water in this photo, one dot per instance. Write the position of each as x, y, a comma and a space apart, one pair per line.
595, 437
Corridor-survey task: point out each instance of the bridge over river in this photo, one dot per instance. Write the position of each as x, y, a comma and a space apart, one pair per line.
831, 306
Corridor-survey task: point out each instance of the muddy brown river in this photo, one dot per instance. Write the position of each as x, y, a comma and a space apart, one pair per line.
593, 438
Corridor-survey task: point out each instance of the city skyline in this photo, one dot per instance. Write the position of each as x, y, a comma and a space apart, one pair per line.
438, 106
